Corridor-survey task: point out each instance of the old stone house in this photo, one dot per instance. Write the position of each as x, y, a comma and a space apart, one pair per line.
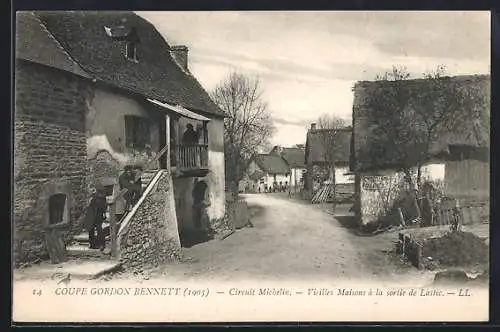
265, 172
458, 158
96, 91
295, 158
318, 152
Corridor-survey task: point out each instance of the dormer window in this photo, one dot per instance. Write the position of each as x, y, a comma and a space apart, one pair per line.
128, 36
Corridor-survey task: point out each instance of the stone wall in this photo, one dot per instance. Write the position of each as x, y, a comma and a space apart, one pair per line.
50, 147
151, 237
379, 190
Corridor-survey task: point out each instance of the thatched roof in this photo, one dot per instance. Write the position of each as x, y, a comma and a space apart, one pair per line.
316, 149
294, 157
83, 39
257, 175
272, 164
371, 149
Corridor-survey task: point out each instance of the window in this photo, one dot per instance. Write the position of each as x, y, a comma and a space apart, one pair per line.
137, 132
108, 190
57, 204
131, 51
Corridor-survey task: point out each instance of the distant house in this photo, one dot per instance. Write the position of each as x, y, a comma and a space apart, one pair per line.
316, 163
458, 158
295, 158
96, 91
266, 172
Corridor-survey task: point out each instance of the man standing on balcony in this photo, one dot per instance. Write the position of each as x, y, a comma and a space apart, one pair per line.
190, 137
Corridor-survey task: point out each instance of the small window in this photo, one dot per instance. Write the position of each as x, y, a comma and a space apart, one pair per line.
108, 190
137, 132
131, 51
57, 204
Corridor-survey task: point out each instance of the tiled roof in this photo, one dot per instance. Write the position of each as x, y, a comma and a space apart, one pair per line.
156, 75
272, 164
35, 43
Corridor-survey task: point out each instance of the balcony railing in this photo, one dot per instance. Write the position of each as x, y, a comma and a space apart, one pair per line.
190, 156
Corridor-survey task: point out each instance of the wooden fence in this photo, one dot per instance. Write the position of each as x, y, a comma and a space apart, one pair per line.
191, 156
449, 211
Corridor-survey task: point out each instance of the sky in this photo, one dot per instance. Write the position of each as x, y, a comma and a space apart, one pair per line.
308, 62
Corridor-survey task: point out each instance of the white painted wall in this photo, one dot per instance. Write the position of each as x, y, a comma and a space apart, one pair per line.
105, 126
296, 176
341, 177
215, 180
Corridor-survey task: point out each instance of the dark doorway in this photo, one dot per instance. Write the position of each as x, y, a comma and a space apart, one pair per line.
57, 204
200, 233
199, 191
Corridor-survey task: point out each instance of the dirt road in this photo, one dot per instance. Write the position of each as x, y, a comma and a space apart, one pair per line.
289, 240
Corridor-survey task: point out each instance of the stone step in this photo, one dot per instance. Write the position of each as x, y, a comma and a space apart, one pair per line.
76, 268
83, 251
84, 236
147, 176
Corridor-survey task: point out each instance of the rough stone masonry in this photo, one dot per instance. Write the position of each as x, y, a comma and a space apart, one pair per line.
151, 237
50, 149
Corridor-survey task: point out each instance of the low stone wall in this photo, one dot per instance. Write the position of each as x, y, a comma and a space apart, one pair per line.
151, 237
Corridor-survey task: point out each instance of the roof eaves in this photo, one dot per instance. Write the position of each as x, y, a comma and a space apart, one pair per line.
81, 71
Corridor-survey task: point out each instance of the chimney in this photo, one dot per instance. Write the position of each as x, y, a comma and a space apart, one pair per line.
180, 54
313, 126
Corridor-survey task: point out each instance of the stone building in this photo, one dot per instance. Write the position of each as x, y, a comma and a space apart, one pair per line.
457, 157
318, 152
96, 91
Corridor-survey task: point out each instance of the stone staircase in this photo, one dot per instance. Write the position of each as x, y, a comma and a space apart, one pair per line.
79, 248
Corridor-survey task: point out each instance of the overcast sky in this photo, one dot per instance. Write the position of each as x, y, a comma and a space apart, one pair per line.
309, 61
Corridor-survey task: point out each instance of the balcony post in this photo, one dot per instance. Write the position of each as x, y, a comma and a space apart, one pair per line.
205, 133
167, 134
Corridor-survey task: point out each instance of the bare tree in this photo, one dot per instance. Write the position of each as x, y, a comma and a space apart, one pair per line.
248, 125
331, 145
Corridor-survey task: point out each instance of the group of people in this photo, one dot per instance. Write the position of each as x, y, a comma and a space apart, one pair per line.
276, 187
95, 216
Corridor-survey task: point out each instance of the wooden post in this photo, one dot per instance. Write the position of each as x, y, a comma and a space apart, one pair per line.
401, 218
167, 133
113, 231
419, 260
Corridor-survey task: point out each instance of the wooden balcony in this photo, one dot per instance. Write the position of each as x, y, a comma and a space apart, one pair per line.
190, 159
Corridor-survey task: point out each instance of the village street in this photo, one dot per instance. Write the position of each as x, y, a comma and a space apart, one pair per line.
290, 240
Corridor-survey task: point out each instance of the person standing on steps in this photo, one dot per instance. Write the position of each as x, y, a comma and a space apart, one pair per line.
137, 186
96, 214
123, 203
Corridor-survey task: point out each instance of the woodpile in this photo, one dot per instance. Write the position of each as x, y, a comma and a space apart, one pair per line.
324, 194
